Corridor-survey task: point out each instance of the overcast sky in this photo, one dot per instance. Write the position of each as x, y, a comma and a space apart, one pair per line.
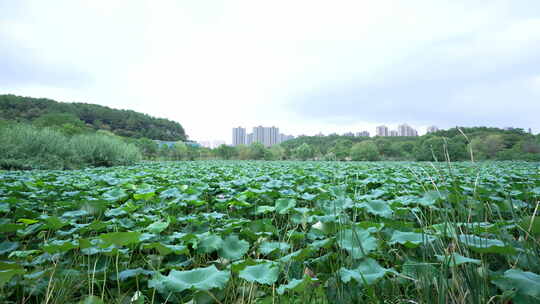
303, 66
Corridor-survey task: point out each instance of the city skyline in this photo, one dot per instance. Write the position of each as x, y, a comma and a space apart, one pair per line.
268, 136
391, 130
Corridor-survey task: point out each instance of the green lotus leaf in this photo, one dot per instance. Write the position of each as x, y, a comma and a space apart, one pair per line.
264, 209
129, 273
284, 205
75, 213
54, 223
456, 259
233, 248
166, 249
429, 198
267, 248
367, 272
200, 279
157, 227
410, 239
24, 253
377, 207
146, 193
59, 246
10, 227
115, 195
298, 255
120, 238
357, 242
4, 208
524, 282
296, 285
308, 196
210, 243
7, 274
171, 193
483, 245
7, 246
263, 273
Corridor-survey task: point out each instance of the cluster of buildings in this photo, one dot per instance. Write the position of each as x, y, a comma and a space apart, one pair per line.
268, 136
402, 130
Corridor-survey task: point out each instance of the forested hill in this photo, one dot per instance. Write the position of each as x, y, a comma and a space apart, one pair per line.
121, 122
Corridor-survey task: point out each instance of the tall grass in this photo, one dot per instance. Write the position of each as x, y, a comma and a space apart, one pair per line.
29, 147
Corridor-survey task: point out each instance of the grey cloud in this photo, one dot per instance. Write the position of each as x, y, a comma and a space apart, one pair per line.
487, 87
21, 66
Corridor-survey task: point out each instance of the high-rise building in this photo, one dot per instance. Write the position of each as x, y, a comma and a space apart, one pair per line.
267, 136
382, 131
432, 129
348, 134
239, 136
249, 139
258, 134
274, 137
406, 130
394, 133
363, 133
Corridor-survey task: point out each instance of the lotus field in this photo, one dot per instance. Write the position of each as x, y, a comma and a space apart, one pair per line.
272, 232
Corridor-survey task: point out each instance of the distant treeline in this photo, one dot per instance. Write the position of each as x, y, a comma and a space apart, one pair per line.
77, 116
457, 144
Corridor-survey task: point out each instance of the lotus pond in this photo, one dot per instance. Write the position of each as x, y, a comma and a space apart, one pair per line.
272, 232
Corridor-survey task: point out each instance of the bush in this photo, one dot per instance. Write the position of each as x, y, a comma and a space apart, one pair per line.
29, 147
366, 151
102, 150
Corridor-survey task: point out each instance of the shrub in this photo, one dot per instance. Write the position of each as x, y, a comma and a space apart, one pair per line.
102, 150
29, 147
366, 150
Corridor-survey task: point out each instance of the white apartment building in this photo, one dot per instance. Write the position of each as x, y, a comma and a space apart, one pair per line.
239, 136
406, 130
382, 131
267, 136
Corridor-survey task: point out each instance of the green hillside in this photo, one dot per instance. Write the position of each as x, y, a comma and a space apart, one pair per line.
121, 122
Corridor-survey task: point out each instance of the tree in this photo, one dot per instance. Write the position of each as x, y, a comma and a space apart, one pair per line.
304, 152
179, 151
365, 151
225, 152
258, 151
243, 152
148, 147
431, 149
277, 152
66, 123
341, 148
489, 146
